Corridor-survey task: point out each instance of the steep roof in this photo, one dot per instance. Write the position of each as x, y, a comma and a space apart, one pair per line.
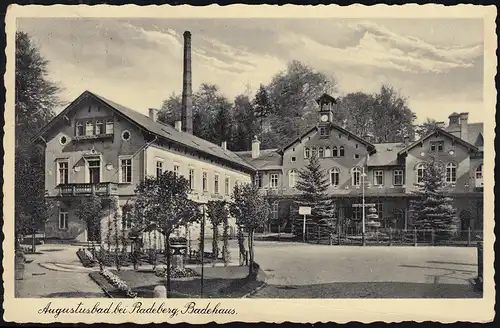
162, 130
386, 154
269, 159
443, 132
475, 134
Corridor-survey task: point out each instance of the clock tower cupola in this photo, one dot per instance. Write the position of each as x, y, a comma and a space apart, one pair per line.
326, 103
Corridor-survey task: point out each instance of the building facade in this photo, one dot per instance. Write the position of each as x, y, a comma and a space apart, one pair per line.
389, 172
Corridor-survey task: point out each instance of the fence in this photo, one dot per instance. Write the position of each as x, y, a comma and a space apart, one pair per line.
394, 237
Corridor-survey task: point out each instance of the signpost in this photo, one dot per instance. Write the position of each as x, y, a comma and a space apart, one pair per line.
305, 211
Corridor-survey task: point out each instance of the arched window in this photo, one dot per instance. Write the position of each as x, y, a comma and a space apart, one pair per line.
314, 151
478, 176
292, 177
335, 177
356, 176
89, 128
420, 172
306, 152
328, 152
335, 152
451, 172
341, 151
321, 152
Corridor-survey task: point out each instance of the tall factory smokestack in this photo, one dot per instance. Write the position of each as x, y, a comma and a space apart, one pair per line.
187, 97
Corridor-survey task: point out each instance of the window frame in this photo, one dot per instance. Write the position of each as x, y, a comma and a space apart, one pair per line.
82, 131
204, 181
341, 151
176, 169
121, 159
335, 151
227, 185
436, 146
258, 180
307, 152
451, 175
321, 152
216, 183
271, 180
420, 167
334, 171
292, 178
126, 221
99, 125
58, 167
396, 173
354, 171
191, 178
375, 176
87, 125
161, 167
109, 123
65, 220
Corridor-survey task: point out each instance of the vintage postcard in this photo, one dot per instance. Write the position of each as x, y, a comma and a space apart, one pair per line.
249, 163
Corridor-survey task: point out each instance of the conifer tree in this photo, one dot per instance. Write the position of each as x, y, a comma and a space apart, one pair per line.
432, 208
312, 184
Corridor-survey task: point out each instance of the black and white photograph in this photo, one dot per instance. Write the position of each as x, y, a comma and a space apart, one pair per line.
255, 158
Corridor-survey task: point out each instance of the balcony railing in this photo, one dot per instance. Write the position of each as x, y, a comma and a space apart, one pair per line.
273, 192
84, 189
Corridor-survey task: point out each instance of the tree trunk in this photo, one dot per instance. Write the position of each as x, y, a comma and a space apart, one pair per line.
167, 251
250, 251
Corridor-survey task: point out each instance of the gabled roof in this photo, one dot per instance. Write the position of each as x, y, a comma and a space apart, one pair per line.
440, 131
269, 159
386, 154
370, 146
475, 133
161, 130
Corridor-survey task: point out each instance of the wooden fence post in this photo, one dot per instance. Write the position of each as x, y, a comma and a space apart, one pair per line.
415, 236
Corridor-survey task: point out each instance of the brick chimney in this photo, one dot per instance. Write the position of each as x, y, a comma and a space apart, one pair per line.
255, 147
464, 126
187, 97
178, 126
153, 114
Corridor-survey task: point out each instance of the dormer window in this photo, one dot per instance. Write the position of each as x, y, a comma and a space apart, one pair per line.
437, 146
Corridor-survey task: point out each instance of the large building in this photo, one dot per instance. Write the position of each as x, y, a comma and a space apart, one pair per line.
96, 146
393, 170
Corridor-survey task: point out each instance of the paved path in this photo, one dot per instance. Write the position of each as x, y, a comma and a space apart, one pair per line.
57, 272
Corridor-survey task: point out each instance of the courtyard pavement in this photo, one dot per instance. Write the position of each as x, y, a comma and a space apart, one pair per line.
295, 270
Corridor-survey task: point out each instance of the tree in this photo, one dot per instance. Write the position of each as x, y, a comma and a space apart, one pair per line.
164, 205
427, 127
246, 124
170, 111
251, 211
218, 213
262, 105
36, 97
356, 110
432, 208
390, 106
312, 184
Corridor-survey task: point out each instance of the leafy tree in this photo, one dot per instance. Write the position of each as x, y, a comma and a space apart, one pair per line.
36, 97
164, 206
356, 109
246, 123
171, 109
432, 208
427, 127
262, 105
251, 211
312, 184
218, 214
390, 106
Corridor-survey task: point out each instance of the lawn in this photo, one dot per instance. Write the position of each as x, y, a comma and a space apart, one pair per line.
219, 282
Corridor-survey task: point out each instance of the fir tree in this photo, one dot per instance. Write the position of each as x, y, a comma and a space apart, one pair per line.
432, 208
312, 184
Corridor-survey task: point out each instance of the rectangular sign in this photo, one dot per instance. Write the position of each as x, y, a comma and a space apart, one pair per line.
305, 210
366, 205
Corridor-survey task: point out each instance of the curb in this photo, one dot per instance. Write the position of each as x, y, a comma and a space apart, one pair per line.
100, 286
264, 284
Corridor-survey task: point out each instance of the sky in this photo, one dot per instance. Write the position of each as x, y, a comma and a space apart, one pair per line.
436, 63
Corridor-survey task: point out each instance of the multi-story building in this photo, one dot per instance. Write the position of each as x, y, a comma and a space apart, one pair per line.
388, 171
96, 146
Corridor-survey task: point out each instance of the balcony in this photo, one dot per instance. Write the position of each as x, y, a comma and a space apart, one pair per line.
93, 137
87, 189
273, 192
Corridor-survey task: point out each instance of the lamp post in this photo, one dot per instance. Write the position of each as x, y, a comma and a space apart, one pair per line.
363, 214
202, 250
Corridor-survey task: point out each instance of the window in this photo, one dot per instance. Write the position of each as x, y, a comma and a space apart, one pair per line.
258, 180
328, 152
321, 152
274, 210
94, 171
226, 186
126, 219
356, 156
335, 177
126, 170
478, 175
79, 129
380, 211
323, 131
63, 140
378, 178
63, 172
204, 181
274, 181
99, 127
177, 168
191, 179
451, 172
335, 152
293, 159
216, 183
356, 176
63, 219
437, 146
306, 152
109, 127
356, 146
125, 135
357, 213
420, 172
313, 152
159, 168
341, 151
89, 128
292, 178
397, 177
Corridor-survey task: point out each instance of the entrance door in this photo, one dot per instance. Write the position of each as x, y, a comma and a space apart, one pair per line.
465, 223
95, 171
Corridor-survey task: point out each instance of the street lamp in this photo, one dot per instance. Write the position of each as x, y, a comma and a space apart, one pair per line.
203, 202
363, 175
